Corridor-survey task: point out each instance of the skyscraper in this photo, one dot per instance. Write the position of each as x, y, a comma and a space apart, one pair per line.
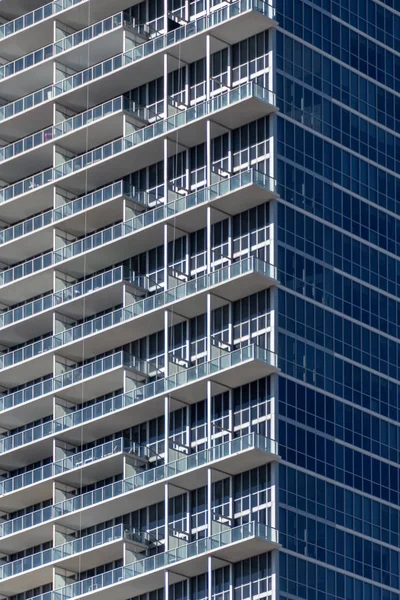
199, 367
338, 146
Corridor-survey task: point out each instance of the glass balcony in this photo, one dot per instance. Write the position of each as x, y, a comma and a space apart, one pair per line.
16, 567
166, 385
28, 478
136, 223
88, 542
79, 545
150, 132
75, 461
69, 125
53, 342
35, 518
136, 309
27, 436
135, 54
66, 43
35, 16
14, 357
72, 292
27, 268
49, 386
71, 208
164, 298
83, 459
143, 479
165, 560
146, 134
89, 33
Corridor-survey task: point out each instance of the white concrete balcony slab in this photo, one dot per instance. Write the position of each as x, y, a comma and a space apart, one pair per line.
188, 560
79, 216
76, 134
28, 29
100, 376
76, 470
228, 109
137, 320
85, 553
233, 369
76, 51
190, 472
232, 23
185, 301
114, 244
88, 297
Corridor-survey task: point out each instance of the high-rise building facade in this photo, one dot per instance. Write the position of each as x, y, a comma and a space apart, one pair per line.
338, 164
199, 207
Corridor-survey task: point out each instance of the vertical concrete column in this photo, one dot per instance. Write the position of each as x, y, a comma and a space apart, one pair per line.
166, 399
209, 577
208, 67
165, 85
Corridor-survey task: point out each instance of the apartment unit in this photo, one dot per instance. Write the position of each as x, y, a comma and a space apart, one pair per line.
199, 372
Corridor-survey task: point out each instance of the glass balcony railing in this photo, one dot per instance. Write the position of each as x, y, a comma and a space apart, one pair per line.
136, 223
181, 553
69, 209
164, 560
110, 405
68, 125
53, 342
154, 130
105, 536
14, 357
121, 315
27, 436
62, 45
165, 385
28, 478
35, 16
143, 220
145, 478
82, 544
49, 386
135, 54
117, 446
26, 268
72, 292
162, 299
75, 461
146, 134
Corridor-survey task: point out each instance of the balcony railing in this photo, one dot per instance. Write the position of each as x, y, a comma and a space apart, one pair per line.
162, 299
121, 315
69, 209
35, 16
136, 223
143, 479
67, 43
135, 54
115, 403
166, 385
52, 385
165, 560
77, 546
69, 125
146, 134
72, 292
75, 461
